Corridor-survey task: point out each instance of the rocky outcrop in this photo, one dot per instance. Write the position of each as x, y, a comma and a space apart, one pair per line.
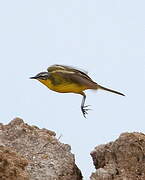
123, 159
30, 153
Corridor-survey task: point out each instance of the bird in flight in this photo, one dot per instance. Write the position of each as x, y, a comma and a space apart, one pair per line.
66, 79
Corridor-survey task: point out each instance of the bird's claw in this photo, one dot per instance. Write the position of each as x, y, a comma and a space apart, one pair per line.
84, 110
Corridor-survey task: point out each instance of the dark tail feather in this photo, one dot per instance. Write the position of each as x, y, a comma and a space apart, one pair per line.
110, 90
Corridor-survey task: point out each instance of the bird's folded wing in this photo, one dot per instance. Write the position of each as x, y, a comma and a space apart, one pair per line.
78, 79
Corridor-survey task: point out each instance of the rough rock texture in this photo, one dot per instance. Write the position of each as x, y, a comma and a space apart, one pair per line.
30, 153
47, 158
123, 159
12, 165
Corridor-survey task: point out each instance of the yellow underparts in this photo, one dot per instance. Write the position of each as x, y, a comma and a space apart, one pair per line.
64, 87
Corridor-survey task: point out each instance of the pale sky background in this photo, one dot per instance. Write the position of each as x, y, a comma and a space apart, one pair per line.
106, 38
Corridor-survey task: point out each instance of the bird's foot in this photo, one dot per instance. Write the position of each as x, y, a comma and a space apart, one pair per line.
84, 110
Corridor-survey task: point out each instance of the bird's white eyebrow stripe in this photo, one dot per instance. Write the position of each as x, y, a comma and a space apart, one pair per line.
46, 74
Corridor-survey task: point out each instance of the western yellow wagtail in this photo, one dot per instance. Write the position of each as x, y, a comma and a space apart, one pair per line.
66, 79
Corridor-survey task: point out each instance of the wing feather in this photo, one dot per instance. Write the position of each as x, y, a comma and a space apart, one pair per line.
74, 78
67, 70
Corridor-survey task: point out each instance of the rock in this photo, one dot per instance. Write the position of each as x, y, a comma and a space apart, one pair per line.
30, 153
47, 158
12, 165
123, 159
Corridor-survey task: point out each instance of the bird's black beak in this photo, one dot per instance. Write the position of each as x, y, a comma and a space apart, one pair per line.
33, 77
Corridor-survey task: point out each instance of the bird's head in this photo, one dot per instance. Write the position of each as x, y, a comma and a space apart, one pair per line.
42, 77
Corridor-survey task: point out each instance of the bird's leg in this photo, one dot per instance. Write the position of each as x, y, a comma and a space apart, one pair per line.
83, 107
